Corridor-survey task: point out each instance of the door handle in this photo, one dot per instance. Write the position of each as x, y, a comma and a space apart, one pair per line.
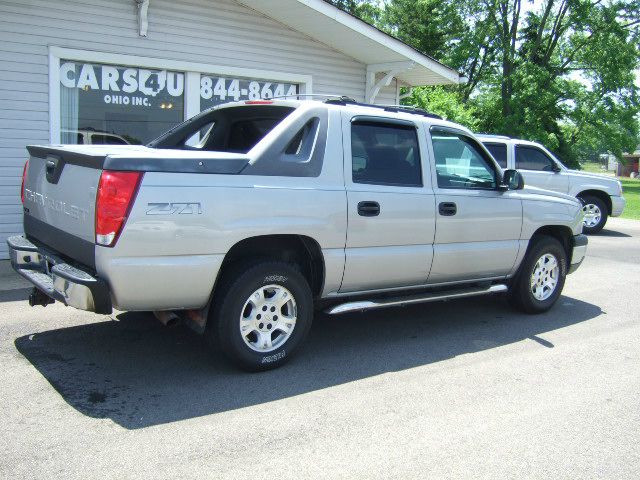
51, 166
447, 209
368, 209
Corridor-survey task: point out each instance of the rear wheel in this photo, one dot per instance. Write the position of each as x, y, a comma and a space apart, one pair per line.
541, 277
595, 213
262, 313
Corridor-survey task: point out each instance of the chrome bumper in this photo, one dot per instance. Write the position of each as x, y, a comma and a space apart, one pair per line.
58, 280
579, 251
617, 206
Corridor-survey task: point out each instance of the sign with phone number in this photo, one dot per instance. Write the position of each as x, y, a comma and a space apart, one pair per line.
217, 90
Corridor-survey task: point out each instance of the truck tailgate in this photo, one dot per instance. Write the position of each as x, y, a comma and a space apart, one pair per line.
59, 200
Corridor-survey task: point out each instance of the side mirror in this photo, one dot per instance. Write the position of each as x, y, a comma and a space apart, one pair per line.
556, 168
512, 180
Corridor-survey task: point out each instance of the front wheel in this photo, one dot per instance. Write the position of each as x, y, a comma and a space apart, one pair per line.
262, 313
541, 277
595, 213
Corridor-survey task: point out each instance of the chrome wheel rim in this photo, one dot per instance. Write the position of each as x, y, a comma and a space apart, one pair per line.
544, 278
268, 318
592, 215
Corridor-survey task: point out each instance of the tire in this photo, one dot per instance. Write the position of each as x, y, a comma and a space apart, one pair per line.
596, 214
531, 291
272, 303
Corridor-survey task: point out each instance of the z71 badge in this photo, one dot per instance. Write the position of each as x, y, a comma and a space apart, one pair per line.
181, 208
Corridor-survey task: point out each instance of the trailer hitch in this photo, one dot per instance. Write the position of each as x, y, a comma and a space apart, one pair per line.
37, 297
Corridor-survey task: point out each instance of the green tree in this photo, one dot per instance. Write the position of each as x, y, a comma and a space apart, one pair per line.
557, 71
367, 10
447, 103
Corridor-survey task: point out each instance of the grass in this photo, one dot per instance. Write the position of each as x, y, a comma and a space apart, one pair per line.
593, 167
630, 190
631, 193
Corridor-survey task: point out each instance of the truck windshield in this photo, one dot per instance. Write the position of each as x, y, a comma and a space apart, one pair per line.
233, 129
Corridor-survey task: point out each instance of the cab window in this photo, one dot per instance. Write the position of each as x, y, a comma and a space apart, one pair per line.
461, 163
532, 158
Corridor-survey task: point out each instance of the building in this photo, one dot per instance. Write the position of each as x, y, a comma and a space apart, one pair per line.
123, 71
630, 164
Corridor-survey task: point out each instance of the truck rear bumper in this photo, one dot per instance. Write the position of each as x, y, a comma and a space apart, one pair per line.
617, 206
580, 243
58, 280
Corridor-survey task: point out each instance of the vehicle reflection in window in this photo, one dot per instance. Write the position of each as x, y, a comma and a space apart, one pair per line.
460, 163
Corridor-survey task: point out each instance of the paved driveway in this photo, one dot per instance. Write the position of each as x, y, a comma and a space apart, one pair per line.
462, 389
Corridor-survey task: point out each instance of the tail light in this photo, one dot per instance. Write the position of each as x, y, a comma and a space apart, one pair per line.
258, 102
116, 191
24, 177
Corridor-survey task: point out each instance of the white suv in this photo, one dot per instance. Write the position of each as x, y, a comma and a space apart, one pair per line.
601, 195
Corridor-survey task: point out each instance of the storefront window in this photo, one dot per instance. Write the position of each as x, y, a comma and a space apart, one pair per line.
217, 90
115, 105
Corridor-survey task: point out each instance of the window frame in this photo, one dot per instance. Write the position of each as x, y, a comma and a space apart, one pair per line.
554, 164
484, 153
386, 122
192, 72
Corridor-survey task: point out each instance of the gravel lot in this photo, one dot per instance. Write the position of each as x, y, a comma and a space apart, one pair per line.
462, 389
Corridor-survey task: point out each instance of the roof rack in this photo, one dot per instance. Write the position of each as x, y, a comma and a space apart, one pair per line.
386, 108
492, 135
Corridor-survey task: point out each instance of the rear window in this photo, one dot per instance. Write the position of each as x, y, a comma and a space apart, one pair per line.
245, 134
233, 130
100, 139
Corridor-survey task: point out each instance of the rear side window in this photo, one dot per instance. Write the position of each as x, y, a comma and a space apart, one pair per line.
298, 151
301, 145
385, 154
499, 152
531, 158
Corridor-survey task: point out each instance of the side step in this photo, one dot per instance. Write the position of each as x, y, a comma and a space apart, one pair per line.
362, 305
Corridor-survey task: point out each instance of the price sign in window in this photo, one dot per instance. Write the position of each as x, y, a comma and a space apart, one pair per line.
217, 90
109, 104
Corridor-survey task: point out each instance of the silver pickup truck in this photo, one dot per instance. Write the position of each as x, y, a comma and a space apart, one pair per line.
246, 217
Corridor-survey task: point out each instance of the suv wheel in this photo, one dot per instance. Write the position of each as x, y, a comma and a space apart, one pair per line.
541, 277
262, 313
595, 213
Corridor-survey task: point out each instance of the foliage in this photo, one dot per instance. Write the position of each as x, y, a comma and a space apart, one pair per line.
366, 10
445, 102
560, 72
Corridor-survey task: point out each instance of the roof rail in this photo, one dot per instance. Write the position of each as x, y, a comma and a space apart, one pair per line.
492, 135
386, 108
344, 100
313, 95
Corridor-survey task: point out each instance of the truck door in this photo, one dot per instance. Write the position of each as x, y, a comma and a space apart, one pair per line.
390, 204
477, 226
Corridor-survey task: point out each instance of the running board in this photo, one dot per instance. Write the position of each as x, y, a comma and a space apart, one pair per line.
362, 305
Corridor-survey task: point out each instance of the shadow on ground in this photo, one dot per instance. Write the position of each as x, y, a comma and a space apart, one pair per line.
14, 295
611, 233
139, 373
